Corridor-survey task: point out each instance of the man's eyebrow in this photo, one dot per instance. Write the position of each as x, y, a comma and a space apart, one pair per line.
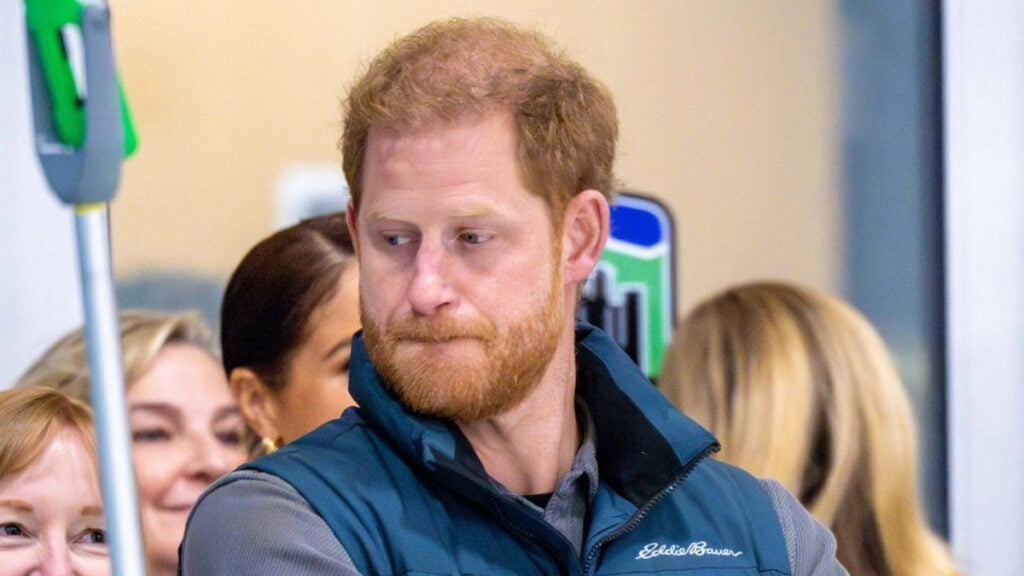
471, 212
382, 215
19, 505
475, 212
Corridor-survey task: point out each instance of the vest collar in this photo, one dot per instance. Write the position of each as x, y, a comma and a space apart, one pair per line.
643, 443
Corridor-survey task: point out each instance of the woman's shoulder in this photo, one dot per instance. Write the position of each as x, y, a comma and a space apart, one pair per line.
251, 522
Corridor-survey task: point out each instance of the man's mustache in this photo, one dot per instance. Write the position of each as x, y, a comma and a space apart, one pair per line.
436, 330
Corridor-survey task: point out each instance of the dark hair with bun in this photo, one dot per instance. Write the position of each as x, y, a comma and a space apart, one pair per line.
275, 289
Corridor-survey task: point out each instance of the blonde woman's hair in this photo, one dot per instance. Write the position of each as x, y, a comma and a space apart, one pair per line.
65, 366
30, 420
799, 387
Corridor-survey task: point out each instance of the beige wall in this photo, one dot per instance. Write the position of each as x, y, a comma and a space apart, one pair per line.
728, 112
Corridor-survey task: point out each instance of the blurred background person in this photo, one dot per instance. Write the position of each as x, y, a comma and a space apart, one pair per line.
186, 428
289, 312
799, 387
51, 510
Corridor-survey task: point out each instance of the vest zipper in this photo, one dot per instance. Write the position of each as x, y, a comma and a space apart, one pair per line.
497, 500
496, 503
639, 515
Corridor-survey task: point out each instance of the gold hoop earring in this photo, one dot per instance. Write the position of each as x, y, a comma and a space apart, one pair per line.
269, 446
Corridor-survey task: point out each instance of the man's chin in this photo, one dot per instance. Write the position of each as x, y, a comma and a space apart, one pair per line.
445, 391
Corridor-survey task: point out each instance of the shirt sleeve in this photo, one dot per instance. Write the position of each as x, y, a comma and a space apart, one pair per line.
252, 523
811, 546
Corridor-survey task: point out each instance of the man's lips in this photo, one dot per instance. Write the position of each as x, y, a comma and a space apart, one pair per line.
445, 340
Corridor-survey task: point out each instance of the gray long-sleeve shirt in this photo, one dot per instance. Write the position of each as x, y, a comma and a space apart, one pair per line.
252, 523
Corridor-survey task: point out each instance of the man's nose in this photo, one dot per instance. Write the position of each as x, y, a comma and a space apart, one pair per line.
430, 289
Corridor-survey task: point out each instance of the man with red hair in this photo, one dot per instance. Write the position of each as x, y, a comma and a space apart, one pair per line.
494, 435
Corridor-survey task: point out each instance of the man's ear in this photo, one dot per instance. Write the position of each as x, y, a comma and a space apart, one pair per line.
256, 403
584, 232
353, 231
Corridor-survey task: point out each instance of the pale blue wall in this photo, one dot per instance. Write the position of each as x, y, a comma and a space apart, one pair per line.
892, 205
984, 96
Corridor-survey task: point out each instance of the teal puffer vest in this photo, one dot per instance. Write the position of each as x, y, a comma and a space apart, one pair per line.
406, 495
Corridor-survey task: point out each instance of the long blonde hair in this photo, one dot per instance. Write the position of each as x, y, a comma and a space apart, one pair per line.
65, 366
799, 387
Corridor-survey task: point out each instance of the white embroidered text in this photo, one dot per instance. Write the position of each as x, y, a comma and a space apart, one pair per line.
653, 550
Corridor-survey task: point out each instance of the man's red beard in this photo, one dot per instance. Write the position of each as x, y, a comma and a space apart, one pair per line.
497, 371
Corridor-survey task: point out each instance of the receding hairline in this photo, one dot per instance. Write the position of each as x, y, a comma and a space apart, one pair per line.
474, 66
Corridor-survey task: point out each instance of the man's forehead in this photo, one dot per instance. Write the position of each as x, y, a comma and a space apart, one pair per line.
443, 155
469, 211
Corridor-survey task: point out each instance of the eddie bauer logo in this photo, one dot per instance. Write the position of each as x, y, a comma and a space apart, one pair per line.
653, 550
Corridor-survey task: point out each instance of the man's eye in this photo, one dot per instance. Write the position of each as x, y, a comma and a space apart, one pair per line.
11, 529
396, 239
474, 237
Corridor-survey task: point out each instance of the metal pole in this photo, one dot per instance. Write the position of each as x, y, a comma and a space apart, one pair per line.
86, 175
106, 385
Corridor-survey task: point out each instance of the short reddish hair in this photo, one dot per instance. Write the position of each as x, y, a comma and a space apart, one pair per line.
32, 418
566, 120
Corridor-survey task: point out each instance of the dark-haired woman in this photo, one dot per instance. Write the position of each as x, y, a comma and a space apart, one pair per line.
289, 313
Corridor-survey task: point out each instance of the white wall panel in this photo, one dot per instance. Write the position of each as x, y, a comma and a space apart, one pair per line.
984, 93
39, 294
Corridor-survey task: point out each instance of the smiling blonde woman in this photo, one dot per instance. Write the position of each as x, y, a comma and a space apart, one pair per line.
51, 511
186, 428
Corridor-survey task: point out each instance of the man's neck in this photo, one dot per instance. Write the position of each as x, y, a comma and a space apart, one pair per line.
530, 447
